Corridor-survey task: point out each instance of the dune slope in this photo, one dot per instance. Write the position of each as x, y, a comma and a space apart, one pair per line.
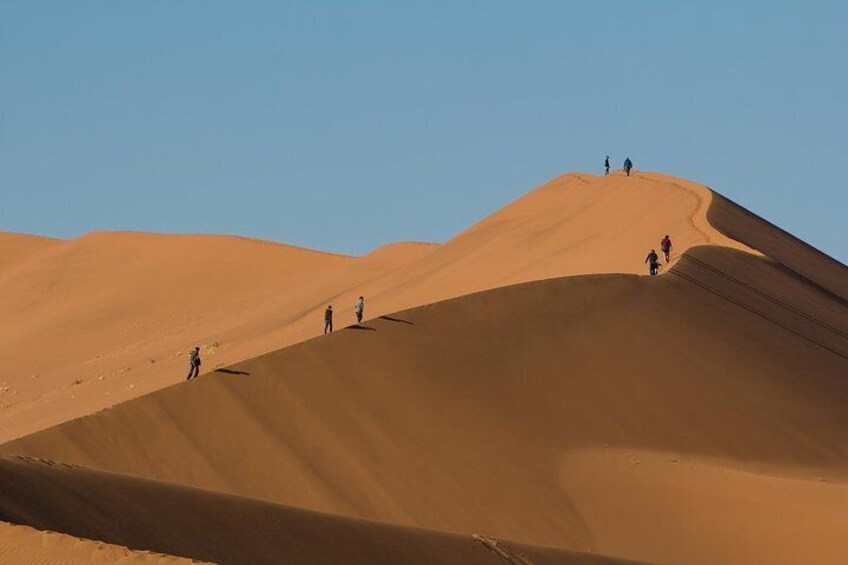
516, 412
817, 268
22, 545
235, 531
111, 316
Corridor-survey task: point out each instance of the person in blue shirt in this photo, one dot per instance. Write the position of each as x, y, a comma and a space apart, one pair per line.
653, 261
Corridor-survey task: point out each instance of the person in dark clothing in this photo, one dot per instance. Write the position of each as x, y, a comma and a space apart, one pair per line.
328, 320
194, 364
606, 165
628, 165
653, 261
665, 245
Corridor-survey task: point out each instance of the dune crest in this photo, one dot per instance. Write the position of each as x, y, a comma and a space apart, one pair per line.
16, 248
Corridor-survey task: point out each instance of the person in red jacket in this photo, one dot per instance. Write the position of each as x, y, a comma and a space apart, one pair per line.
665, 245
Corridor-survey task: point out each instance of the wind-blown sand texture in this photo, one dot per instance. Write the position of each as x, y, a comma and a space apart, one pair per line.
695, 417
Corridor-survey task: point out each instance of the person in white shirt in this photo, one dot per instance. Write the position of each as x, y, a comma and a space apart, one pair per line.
359, 309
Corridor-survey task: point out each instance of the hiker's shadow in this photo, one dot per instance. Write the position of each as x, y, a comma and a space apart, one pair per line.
361, 328
396, 320
231, 372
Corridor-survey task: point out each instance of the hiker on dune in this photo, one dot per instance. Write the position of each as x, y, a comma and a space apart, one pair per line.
665, 245
628, 165
606, 165
359, 309
653, 261
194, 364
328, 320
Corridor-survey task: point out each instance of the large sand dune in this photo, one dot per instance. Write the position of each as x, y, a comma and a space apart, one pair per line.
697, 417
94, 321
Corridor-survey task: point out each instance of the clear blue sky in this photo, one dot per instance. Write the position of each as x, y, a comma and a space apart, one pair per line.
344, 125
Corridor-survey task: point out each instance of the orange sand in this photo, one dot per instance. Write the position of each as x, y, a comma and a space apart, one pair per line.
696, 417
20, 545
111, 316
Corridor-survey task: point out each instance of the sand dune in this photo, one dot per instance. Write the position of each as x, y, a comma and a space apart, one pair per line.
235, 531
697, 417
465, 416
110, 316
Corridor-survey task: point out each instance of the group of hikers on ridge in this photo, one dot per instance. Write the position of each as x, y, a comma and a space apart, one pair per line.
358, 309
653, 260
628, 166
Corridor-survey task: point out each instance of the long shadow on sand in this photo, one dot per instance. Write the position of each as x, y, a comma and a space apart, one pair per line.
398, 320
361, 328
231, 372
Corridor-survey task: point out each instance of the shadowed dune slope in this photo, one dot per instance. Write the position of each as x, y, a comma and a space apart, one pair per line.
740, 224
235, 531
119, 311
21, 545
591, 413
